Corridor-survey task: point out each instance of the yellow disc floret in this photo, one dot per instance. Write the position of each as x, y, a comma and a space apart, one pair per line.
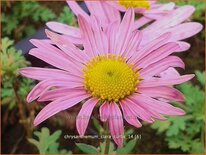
142, 4
110, 78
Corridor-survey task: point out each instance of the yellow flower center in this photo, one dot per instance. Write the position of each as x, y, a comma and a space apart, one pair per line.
144, 4
110, 78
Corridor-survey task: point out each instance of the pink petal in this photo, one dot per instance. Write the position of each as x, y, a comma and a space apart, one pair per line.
45, 85
141, 22
133, 45
84, 115
76, 9
124, 32
160, 11
111, 33
54, 94
185, 30
154, 82
110, 12
129, 115
153, 45
46, 73
157, 54
100, 37
178, 16
56, 60
95, 8
116, 124
162, 65
169, 73
157, 106
42, 45
65, 45
169, 93
183, 46
90, 43
116, 5
151, 113
138, 111
162, 25
57, 106
72, 33
104, 112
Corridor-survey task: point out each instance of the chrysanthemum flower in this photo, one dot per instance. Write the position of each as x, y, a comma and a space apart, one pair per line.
148, 8
110, 72
175, 21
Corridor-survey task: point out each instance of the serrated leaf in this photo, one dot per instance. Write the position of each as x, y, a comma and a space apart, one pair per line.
89, 149
47, 143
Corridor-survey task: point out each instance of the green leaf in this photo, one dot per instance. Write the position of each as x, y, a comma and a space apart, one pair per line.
89, 149
161, 126
201, 77
47, 143
128, 147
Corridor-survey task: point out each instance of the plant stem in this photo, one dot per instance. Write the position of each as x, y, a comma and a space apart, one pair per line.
107, 145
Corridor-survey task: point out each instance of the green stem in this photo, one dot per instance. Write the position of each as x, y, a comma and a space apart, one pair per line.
107, 145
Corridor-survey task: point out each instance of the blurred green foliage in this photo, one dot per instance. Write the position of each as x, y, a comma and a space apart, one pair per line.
21, 19
12, 61
47, 143
187, 132
199, 8
67, 17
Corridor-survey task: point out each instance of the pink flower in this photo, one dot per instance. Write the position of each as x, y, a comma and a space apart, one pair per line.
173, 20
109, 71
148, 8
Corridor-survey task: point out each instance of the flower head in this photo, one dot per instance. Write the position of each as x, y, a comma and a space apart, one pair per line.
127, 83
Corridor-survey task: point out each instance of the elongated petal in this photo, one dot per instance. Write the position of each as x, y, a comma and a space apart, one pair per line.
157, 106
185, 30
132, 47
124, 32
72, 33
104, 112
169, 73
157, 55
183, 46
139, 111
84, 115
97, 10
149, 112
77, 9
169, 93
45, 85
65, 45
141, 22
116, 6
57, 106
166, 81
91, 45
162, 25
56, 60
129, 115
54, 94
116, 124
153, 45
110, 12
46, 73
162, 65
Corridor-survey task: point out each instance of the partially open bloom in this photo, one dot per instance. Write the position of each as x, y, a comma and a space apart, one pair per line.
109, 71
